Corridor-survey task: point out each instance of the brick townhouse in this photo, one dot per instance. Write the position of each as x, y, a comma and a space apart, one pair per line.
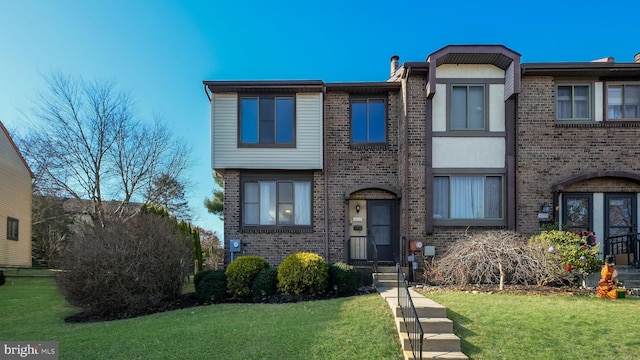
468, 140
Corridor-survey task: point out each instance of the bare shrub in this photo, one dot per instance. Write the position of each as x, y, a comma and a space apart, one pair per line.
492, 257
125, 266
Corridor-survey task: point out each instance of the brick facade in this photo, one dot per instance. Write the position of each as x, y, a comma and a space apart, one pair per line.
548, 154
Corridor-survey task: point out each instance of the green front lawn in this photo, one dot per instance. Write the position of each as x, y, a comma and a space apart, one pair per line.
500, 326
347, 328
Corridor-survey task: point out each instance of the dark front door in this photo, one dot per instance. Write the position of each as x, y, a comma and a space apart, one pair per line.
620, 214
381, 226
620, 221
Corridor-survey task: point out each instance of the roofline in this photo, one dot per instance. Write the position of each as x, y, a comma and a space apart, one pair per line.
473, 49
364, 84
274, 83
6, 132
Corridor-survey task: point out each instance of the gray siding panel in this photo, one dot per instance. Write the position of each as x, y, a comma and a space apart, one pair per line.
306, 155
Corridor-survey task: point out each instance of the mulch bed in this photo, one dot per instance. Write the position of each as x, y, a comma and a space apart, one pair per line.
191, 300
510, 289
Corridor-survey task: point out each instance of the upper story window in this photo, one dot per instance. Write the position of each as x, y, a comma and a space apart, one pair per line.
573, 102
623, 101
276, 201
368, 121
467, 107
12, 228
267, 120
478, 197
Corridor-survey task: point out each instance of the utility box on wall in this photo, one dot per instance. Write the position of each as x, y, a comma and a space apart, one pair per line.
234, 245
429, 251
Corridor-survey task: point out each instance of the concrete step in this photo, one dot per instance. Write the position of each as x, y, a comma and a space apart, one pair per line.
438, 355
389, 269
426, 311
433, 342
429, 325
385, 276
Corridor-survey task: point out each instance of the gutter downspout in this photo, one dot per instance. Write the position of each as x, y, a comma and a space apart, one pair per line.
206, 92
325, 173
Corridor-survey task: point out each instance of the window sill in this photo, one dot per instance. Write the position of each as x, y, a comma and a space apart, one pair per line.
273, 229
469, 222
369, 146
597, 124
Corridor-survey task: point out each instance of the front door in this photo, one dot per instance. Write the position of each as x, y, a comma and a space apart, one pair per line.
620, 214
620, 219
381, 226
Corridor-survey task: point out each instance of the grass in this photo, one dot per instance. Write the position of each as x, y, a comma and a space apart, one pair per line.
347, 328
501, 326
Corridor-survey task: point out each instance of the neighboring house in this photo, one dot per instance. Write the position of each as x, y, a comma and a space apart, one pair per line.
15, 204
468, 140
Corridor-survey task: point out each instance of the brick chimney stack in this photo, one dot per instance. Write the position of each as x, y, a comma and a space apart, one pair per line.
394, 64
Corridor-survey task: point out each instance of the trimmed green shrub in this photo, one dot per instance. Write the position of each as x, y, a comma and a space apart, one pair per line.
199, 276
267, 281
213, 286
344, 276
241, 273
302, 273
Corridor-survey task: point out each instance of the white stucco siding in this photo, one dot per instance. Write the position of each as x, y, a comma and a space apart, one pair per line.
598, 99
15, 202
484, 71
439, 108
467, 152
306, 155
496, 107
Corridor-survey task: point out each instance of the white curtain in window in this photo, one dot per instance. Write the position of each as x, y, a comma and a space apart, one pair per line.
302, 206
493, 198
267, 203
441, 197
467, 197
564, 102
581, 102
476, 107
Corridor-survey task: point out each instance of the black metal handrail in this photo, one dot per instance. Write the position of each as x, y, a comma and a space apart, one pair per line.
375, 253
624, 244
410, 316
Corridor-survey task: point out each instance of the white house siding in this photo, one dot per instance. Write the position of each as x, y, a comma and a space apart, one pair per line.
496, 107
598, 100
469, 72
306, 155
15, 202
439, 106
468, 152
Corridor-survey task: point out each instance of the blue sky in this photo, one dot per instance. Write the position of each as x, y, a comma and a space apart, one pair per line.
161, 50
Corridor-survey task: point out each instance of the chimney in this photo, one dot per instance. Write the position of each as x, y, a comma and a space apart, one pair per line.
636, 59
394, 64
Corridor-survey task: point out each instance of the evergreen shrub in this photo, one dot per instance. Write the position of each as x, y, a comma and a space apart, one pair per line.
242, 272
303, 273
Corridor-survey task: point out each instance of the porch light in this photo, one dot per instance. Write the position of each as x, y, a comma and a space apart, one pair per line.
545, 208
358, 208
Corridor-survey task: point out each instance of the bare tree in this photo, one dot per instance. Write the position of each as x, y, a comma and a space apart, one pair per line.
87, 142
168, 192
